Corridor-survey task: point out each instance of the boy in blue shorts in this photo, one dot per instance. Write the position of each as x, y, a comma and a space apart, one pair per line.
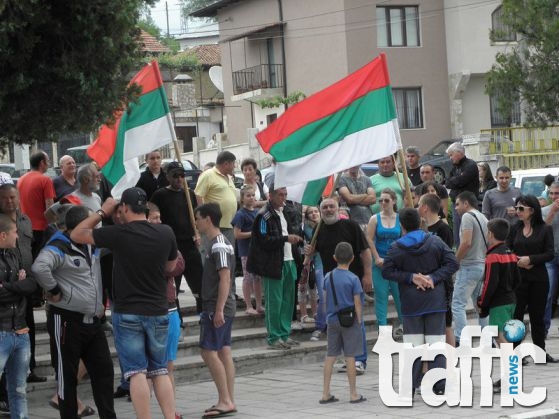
347, 339
218, 308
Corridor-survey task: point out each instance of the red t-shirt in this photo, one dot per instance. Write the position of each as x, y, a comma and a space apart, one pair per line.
34, 188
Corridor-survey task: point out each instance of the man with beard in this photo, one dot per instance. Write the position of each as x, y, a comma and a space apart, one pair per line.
333, 231
89, 181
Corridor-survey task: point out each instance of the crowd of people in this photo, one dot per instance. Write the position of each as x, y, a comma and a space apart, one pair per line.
475, 239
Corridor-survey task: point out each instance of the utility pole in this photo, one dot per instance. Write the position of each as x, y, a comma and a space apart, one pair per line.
167, 16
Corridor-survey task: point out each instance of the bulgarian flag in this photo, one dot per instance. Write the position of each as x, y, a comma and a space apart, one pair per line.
143, 127
349, 123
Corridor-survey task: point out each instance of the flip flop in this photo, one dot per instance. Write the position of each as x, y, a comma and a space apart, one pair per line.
87, 411
359, 400
331, 399
54, 405
219, 413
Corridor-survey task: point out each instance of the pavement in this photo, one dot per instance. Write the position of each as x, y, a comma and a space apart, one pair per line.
294, 393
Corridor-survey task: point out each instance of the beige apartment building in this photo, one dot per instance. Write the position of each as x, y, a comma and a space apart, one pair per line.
438, 52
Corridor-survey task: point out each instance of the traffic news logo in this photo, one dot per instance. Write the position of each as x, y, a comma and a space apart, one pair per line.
458, 371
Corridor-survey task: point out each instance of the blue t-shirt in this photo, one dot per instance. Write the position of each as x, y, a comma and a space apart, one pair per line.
347, 285
243, 220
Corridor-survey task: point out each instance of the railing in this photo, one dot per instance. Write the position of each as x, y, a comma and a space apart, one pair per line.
524, 148
262, 76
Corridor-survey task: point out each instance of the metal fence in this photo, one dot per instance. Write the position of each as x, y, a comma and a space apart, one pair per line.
262, 76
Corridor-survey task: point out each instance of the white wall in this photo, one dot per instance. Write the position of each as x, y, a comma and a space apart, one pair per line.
475, 105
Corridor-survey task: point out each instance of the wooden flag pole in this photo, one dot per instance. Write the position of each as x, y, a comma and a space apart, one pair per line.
186, 188
408, 199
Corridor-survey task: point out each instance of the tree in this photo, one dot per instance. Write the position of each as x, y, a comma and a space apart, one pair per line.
189, 6
530, 69
65, 65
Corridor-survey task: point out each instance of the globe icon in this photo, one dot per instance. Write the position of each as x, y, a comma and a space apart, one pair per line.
514, 330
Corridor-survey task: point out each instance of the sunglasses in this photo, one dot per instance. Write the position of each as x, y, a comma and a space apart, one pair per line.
178, 175
521, 209
384, 200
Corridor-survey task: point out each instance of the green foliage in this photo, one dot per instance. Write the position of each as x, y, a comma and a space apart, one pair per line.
189, 6
65, 65
530, 69
177, 62
276, 101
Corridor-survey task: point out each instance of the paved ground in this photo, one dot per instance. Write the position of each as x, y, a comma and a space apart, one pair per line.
294, 393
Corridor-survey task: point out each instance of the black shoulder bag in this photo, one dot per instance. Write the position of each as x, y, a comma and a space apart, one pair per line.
346, 316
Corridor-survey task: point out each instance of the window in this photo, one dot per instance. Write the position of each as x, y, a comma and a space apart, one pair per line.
398, 26
409, 107
498, 120
501, 32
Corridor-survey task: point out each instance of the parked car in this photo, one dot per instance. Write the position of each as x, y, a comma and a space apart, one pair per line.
11, 170
369, 169
530, 181
192, 171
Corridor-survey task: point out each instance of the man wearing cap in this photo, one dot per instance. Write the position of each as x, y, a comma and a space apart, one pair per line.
153, 178
143, 254
174, 210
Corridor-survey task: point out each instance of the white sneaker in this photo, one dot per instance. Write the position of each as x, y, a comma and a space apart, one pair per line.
359, 368
296, 325
315, 336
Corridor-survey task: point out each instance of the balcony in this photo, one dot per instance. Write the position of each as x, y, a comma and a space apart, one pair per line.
260, 81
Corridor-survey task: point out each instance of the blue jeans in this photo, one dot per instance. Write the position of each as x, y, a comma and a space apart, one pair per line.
469, 280
552, 273
320, 323
141, 343
15, 353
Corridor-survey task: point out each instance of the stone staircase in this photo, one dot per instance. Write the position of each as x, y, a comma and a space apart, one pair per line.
249, 347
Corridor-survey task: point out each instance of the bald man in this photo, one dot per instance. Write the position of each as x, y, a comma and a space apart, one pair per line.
65, 184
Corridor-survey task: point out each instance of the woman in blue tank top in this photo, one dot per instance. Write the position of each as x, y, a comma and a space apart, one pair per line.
383, 229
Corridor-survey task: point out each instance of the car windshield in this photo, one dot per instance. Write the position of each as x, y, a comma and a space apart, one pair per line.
532, 185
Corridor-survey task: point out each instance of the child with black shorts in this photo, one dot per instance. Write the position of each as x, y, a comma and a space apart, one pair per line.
347, 339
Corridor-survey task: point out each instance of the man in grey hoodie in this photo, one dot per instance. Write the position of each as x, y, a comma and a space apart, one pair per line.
70, 274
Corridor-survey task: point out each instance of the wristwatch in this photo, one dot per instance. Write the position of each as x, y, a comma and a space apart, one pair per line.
101, 213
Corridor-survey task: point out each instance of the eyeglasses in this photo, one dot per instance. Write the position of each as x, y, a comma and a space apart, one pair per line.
384, 200
521, 209
178, 175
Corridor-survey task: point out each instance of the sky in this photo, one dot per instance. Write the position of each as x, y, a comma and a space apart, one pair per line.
159, 16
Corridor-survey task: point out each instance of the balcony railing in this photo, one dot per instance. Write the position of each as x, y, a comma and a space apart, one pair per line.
264, 76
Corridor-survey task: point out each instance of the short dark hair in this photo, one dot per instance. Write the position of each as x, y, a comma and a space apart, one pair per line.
343, 253
249, 162
211, 210
503, 169
225, 157
548, 180
499, 227
75, 215
6, 186
409, 218
36, 159
469, 197
433, 202
6, 223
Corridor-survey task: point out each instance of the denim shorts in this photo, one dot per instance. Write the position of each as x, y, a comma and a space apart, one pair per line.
212, 338
141, 343
173, 335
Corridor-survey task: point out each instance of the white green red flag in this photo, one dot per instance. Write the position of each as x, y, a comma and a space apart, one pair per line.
145, 126
349, 123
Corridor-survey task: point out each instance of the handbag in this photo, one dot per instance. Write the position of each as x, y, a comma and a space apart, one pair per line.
346, 316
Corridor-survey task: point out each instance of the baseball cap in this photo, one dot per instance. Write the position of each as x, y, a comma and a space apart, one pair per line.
175, 166
134, 196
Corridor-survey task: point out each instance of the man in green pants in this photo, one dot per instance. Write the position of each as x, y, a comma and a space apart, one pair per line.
271, 255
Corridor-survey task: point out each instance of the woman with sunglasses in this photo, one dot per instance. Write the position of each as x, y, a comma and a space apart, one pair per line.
383, 229
532, 241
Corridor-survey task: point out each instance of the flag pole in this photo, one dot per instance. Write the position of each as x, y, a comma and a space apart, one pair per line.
408, 200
